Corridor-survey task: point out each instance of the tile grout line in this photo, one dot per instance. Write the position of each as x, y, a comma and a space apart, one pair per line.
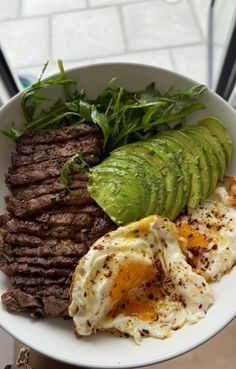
196, 19
19, 10
119, 8
72, 11
167, 48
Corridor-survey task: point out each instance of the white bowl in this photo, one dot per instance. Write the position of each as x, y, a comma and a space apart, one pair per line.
54, 337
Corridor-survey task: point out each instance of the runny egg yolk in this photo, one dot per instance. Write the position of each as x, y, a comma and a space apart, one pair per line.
193, 237
135, 291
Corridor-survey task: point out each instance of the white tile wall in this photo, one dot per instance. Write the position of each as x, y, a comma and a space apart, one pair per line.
9, 9
88, 31
110, 2
159, 24
201, 9
160, 58
35, 7
191, 61
26, 41
86, 34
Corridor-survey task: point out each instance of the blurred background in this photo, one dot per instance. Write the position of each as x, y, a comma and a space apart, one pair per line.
191, 37
196, 38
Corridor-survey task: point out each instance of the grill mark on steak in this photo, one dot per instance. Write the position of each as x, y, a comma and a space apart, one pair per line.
21, 281
79, 220
54, 186
22, 208
48, 230
37, 172
28, 191
75, 232
56, 291
37, 154
49, 262
27, 269
49, 248
58, 135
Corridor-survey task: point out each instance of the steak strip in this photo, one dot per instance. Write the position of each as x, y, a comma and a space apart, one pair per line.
33, 206
36, 154
37, 172
59, 135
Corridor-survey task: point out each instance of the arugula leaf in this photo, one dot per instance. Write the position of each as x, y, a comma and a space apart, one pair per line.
13, 132
123, 116
70, 166
101, 120
32, 99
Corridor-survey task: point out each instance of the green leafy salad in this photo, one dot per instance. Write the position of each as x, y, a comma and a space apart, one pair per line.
123, 116
153, 163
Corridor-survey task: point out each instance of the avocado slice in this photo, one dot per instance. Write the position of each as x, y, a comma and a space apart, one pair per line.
216, 146
113, 187
192, 162
182, 189
177, 150
211, 179
171, 177
218, 129
154, 167
139, 169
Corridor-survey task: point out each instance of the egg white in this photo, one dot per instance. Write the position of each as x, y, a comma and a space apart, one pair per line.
151, 245
210, 231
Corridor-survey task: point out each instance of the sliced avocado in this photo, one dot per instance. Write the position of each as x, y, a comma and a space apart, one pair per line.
211, 179
192, 162
171, 176
182, 188
217, 129
216, 146
139, 169
117, 191
134, 167
154, 167
177, 150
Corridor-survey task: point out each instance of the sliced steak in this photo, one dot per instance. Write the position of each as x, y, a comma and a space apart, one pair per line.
26, 269
80, 220
36, 154
75, 232
21, 281
40, 292
48, 229
37, 172
21, 208
58, 135
53, 186
16, 300
49, 248
32, 190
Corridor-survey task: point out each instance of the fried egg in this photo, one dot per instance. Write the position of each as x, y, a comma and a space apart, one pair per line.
210, 231
136, 281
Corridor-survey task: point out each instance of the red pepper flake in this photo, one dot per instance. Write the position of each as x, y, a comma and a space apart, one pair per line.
98, 247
